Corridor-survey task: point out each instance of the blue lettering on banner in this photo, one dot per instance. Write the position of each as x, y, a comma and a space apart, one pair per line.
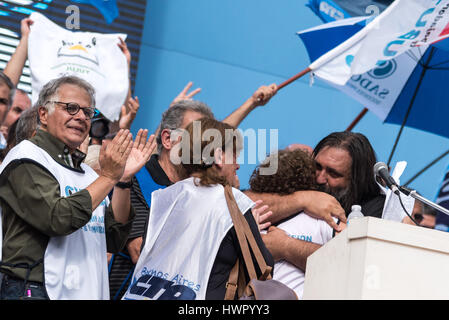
301, 237
69, 190
155, 288
368, 88
178, 278
330, 10
96, 223
155, 273
389, 50
421, 23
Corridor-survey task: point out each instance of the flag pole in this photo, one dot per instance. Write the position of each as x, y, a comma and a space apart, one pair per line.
306, 71
357, 119
296, 77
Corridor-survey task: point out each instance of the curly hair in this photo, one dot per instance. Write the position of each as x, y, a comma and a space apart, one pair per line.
296, 171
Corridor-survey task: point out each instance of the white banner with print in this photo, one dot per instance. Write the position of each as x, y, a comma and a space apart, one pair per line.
54, 51
379, 88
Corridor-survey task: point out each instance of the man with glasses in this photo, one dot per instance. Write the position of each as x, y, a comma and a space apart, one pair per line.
58, 221
424, 214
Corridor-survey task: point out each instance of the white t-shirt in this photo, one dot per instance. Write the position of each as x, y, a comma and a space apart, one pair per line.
302, 227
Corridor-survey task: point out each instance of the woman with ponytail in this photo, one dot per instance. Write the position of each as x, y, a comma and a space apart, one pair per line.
191, 243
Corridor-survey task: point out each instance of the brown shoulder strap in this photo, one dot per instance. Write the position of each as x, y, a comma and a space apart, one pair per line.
236, 282
232, 284
264, 268
240, 222
235, 215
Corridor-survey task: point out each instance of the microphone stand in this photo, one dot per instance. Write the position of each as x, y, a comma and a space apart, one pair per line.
414, 194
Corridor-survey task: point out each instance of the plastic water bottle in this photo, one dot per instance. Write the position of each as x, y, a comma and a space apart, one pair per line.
356, 212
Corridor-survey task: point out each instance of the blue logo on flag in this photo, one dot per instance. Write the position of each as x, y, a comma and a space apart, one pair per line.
349, 60
384, 70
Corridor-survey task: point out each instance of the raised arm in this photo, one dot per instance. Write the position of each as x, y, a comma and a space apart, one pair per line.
124, 48
259, 98
128, 113
185, 94
15, 65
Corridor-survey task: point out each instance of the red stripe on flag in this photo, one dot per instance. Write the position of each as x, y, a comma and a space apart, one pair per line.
445, 31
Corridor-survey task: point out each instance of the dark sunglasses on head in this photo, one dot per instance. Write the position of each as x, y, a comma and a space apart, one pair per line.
73, 108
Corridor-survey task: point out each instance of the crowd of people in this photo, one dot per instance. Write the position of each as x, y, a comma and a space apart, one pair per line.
90, 212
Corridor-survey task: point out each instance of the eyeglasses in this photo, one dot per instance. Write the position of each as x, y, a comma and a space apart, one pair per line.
418, 217
4, 101
73, 108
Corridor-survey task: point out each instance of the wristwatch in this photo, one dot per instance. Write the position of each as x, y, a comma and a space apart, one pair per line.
124, 185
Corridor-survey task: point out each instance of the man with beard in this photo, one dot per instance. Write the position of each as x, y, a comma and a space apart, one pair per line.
345, 162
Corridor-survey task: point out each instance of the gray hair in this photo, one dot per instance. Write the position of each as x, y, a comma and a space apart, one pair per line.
26, 124
4, 79
173, 117
51, 89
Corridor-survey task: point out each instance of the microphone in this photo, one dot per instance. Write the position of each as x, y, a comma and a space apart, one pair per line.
381, 170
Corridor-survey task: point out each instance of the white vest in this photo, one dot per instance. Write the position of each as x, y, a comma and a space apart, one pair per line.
302, 227
186, 227
75, 266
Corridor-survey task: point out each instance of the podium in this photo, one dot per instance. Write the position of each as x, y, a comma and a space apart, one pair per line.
377, 259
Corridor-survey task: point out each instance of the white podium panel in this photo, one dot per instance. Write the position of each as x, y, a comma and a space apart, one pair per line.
380, 259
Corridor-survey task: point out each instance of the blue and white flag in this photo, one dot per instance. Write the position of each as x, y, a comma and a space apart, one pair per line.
368, 64
376, 89
402, 26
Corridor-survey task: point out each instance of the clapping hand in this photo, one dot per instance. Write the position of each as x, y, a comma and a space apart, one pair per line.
114, 155
139, 155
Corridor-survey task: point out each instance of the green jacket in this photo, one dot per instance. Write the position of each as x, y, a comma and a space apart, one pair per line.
33, 210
